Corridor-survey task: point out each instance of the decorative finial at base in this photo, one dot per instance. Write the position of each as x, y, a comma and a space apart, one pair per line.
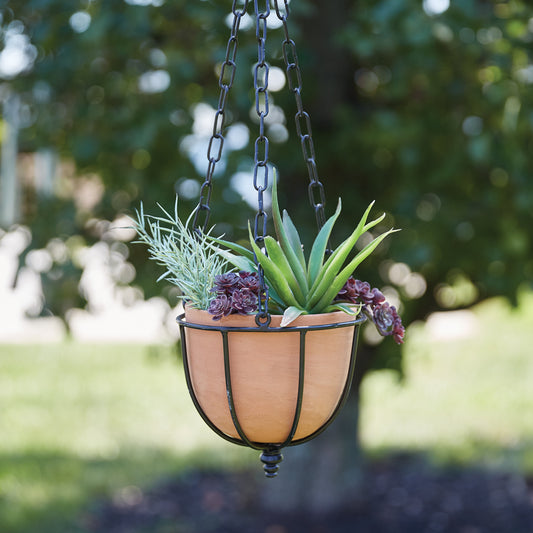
271, 459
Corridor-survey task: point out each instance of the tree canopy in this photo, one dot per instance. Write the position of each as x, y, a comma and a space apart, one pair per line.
426, 107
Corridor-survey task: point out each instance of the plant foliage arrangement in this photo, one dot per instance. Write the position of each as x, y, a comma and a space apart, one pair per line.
191, 262
221, 276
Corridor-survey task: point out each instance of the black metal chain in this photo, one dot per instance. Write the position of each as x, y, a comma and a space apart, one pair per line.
317, 197
261, 147
260, 176
216, 142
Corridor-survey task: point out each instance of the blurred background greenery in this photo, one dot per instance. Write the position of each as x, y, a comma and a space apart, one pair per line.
425, 106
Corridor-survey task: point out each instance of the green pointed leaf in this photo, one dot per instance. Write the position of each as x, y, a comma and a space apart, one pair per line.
290, 315
242, 263
339, 281
335, 261
278, 257
345, 308
373, 223
234, 246
294, 238
318, 251
284, 242
273, 275
273, 295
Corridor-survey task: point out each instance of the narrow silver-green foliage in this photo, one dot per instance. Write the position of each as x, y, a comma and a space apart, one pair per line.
191, 262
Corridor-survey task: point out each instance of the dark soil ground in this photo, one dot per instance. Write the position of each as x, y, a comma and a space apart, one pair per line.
395, 496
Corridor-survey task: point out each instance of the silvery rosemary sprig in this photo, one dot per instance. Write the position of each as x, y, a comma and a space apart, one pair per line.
191, 262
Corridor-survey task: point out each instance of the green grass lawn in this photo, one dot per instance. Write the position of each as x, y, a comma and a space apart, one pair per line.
468, 400
82, 422
79, 423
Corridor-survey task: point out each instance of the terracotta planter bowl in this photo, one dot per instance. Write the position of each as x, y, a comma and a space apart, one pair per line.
265, 371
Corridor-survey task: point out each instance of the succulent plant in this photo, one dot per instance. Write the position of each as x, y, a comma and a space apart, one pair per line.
320, 283
300, 285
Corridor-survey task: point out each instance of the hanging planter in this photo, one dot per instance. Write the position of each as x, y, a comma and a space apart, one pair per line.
265, 390
269, 333
261, 379
270, 402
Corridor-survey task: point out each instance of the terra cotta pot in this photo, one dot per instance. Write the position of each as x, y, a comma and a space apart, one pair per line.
264, 369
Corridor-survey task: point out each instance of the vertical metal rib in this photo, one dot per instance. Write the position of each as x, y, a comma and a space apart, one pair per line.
344, 395
299, 397
192, 394
229, 393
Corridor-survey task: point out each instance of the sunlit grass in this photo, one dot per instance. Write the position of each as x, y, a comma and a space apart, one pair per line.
463, 400
81, 422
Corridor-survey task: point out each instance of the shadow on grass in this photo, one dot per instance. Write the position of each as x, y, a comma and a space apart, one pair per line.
46, 492
398, 493
154, 491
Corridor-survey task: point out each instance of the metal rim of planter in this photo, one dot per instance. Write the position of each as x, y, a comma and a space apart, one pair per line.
271, 452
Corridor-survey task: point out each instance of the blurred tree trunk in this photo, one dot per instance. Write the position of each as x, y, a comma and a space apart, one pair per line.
328, 71
46, 161
9, 186
323, 474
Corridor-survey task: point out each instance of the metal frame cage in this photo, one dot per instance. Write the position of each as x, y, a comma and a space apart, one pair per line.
271, 452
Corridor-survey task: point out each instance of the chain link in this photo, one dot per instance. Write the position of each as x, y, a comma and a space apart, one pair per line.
261, 147
216, 141
317, 197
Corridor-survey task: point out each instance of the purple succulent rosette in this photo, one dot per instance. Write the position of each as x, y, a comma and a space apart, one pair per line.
220, 306
226, 283
384, 315
244, 301
236, 293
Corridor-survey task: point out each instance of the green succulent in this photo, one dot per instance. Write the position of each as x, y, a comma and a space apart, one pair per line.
300, 285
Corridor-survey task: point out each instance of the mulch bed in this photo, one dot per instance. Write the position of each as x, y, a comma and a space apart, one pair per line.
396, 496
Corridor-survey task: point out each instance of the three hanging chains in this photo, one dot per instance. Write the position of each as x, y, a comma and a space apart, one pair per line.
261, 146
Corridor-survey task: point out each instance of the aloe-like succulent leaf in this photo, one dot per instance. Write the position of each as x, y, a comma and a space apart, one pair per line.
234, 246
345, 308
284, 241
290, 315
294, 238
238, 261
318, 251
373, 223
333, 289
273, 274
278, 257
335, 261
